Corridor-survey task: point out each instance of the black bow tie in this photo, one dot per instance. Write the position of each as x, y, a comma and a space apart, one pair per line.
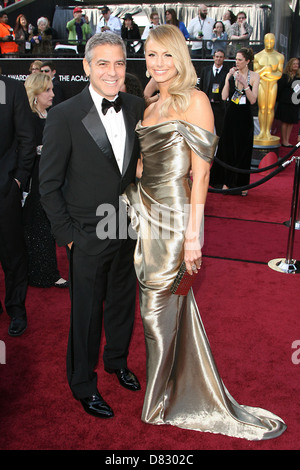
109, 104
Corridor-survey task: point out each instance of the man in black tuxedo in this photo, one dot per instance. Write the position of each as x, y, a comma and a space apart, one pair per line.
212, 80
17, 153
89, 157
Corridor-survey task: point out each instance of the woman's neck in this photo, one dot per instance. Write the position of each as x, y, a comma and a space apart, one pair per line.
41, 112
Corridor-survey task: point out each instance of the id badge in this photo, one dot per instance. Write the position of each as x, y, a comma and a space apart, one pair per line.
296, 88
242, 100
236, 97
215, 88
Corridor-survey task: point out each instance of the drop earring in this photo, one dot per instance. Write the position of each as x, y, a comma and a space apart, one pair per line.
148, 74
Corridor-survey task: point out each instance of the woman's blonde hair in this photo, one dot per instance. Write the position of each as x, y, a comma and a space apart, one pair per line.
35, 84
289, 66
173, 41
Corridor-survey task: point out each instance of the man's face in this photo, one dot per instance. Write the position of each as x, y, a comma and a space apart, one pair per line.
219, 58
4, 19
155, 19
106, 70
47, 70
203, 12
106, 15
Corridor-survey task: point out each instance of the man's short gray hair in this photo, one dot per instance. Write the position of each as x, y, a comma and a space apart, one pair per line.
101, 39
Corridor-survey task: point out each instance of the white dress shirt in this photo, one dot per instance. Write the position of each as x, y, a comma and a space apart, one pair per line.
114, 125
216, 68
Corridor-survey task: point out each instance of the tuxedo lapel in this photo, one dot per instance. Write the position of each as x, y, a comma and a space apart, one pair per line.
95, 128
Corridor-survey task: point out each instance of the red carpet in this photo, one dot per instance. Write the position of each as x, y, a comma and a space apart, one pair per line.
251, 315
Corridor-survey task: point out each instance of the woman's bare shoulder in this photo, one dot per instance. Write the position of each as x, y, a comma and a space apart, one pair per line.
199, 111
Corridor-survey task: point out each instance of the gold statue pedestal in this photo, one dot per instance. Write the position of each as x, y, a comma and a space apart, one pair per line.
261, 149
266, 141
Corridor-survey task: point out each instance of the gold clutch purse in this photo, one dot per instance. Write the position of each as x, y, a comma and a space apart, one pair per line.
183, 281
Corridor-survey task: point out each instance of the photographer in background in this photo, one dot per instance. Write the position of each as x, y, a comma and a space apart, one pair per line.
7, 38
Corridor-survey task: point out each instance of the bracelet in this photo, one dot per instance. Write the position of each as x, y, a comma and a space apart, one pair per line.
245, 89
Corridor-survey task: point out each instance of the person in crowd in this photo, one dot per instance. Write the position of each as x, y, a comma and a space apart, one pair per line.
49, 68
41, 38
288, 100
17, 151
240, 33
184, 387
154, 22
79, 28
109, 23
132, 85
75, 192
236, 142
130, 29
228, 19
35, 66
130, 33
212, 80
219, 37
54, 33
171, 18
201, 27
8, 46
40, 243
22, 32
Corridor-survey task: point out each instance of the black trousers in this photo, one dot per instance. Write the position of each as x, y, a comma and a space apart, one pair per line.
102, 289
13, 254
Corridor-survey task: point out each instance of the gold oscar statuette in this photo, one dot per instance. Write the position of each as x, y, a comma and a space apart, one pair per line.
269, 64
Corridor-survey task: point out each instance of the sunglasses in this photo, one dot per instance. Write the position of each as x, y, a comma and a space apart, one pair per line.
46, 70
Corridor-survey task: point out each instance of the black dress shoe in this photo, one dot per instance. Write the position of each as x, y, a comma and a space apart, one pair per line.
126, 378
96, 406
17, 326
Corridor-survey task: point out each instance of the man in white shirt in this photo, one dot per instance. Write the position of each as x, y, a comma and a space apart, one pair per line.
109, 23
201, 27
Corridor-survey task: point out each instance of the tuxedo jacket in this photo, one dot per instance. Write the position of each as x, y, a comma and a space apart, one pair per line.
78, 169
207, 79
17, 134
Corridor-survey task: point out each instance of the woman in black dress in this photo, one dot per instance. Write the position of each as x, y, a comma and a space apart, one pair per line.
288, 100
236, 143
41, 247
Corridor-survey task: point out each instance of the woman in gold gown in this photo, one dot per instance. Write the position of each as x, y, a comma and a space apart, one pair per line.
184, 388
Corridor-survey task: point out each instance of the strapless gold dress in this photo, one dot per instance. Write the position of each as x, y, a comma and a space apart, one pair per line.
184, 388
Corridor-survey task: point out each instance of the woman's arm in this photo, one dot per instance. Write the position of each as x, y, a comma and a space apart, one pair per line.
200, 172
225, 91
